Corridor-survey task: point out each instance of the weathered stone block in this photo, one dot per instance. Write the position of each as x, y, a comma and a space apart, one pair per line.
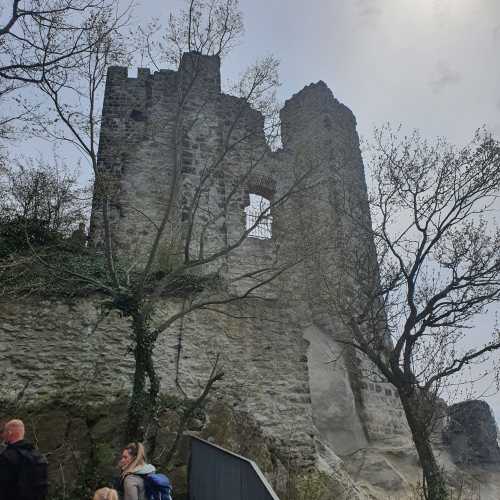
472, 433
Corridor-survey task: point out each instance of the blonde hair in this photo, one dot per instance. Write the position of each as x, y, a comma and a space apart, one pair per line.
138, 454
106, 494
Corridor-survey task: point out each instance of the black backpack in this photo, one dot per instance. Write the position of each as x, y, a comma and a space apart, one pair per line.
32, 479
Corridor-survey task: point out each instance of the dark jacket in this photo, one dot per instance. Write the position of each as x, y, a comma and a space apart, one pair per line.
23, 470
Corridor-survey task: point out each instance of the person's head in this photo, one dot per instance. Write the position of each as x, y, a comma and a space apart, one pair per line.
133, 457
106, 494
13, 431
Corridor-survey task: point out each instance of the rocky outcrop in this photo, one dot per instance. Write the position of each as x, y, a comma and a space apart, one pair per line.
472, 433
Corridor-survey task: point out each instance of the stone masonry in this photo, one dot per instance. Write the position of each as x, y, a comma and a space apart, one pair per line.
282, 363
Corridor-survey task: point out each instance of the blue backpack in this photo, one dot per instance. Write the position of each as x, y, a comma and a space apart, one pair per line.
157, 487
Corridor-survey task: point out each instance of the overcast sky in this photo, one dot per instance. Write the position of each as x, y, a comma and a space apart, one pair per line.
429, 64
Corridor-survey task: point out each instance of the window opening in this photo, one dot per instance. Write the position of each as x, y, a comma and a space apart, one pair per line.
258, 216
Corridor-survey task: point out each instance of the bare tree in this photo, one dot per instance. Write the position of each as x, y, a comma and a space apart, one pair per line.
210, 27
38, 38
437, 269
40, 203
194, 250
136, 284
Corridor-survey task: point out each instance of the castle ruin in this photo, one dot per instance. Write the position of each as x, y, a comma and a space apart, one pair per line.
298, 353
282, 362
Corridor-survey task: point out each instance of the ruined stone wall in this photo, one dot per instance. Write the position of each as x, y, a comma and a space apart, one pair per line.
71, 350
170, 138
332, 218
282, 361
137, 121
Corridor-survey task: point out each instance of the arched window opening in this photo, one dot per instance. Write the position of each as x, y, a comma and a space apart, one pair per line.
258, 217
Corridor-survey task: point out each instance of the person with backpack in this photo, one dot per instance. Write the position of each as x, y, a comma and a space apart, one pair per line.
23, 469
139, 480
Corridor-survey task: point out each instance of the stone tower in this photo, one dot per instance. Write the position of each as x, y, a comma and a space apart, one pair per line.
146, 146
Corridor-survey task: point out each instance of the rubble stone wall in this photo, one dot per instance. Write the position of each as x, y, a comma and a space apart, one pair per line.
71, 350
170, 129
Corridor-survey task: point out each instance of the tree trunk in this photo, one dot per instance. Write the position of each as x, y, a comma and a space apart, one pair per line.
137, 404
419, 410
154, 390
143, 403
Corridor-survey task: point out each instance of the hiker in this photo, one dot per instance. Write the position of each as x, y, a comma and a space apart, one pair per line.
23, 469
106, 494
133, 468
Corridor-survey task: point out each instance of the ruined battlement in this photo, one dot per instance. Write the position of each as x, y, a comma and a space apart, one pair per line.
117, 74
141, 142
202, 72
317, 98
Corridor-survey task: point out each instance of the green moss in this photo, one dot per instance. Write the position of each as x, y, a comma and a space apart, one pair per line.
105, 454
56, 272
166, 401
63, 271
179, 478
312, 485
170, 255
239, 433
